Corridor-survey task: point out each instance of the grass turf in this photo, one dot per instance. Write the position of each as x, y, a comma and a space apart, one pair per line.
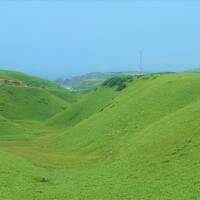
138, 143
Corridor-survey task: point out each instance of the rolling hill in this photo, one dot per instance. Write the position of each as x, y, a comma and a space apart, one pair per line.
91, 80
139, 142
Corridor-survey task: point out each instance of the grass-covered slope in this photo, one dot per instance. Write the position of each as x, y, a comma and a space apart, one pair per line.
25, 97
31, 81
19, 130
91, 103
146, 101
141, 142
28, 103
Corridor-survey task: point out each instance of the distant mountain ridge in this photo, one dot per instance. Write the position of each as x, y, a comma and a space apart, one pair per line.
91, 80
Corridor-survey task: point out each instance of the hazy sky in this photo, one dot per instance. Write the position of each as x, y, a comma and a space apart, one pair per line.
63, 38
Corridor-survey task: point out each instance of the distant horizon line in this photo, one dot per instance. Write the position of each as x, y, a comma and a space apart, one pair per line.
90, 72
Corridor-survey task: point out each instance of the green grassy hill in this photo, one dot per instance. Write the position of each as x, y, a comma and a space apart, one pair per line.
92, 102
140, 142
24, 97
31, 81
28, 103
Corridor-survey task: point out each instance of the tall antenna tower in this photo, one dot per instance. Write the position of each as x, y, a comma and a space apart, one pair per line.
141, 63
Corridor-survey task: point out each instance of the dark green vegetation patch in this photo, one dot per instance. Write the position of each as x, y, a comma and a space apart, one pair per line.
119, 82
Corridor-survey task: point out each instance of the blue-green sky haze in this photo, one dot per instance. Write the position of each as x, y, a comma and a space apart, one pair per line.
64, 38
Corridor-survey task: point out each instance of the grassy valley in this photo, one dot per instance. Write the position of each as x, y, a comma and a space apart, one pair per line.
133, 137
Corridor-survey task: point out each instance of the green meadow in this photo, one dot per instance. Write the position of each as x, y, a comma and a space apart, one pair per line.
132, 138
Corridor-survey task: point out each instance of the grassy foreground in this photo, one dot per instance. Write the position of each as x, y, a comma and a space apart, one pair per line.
141, 142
